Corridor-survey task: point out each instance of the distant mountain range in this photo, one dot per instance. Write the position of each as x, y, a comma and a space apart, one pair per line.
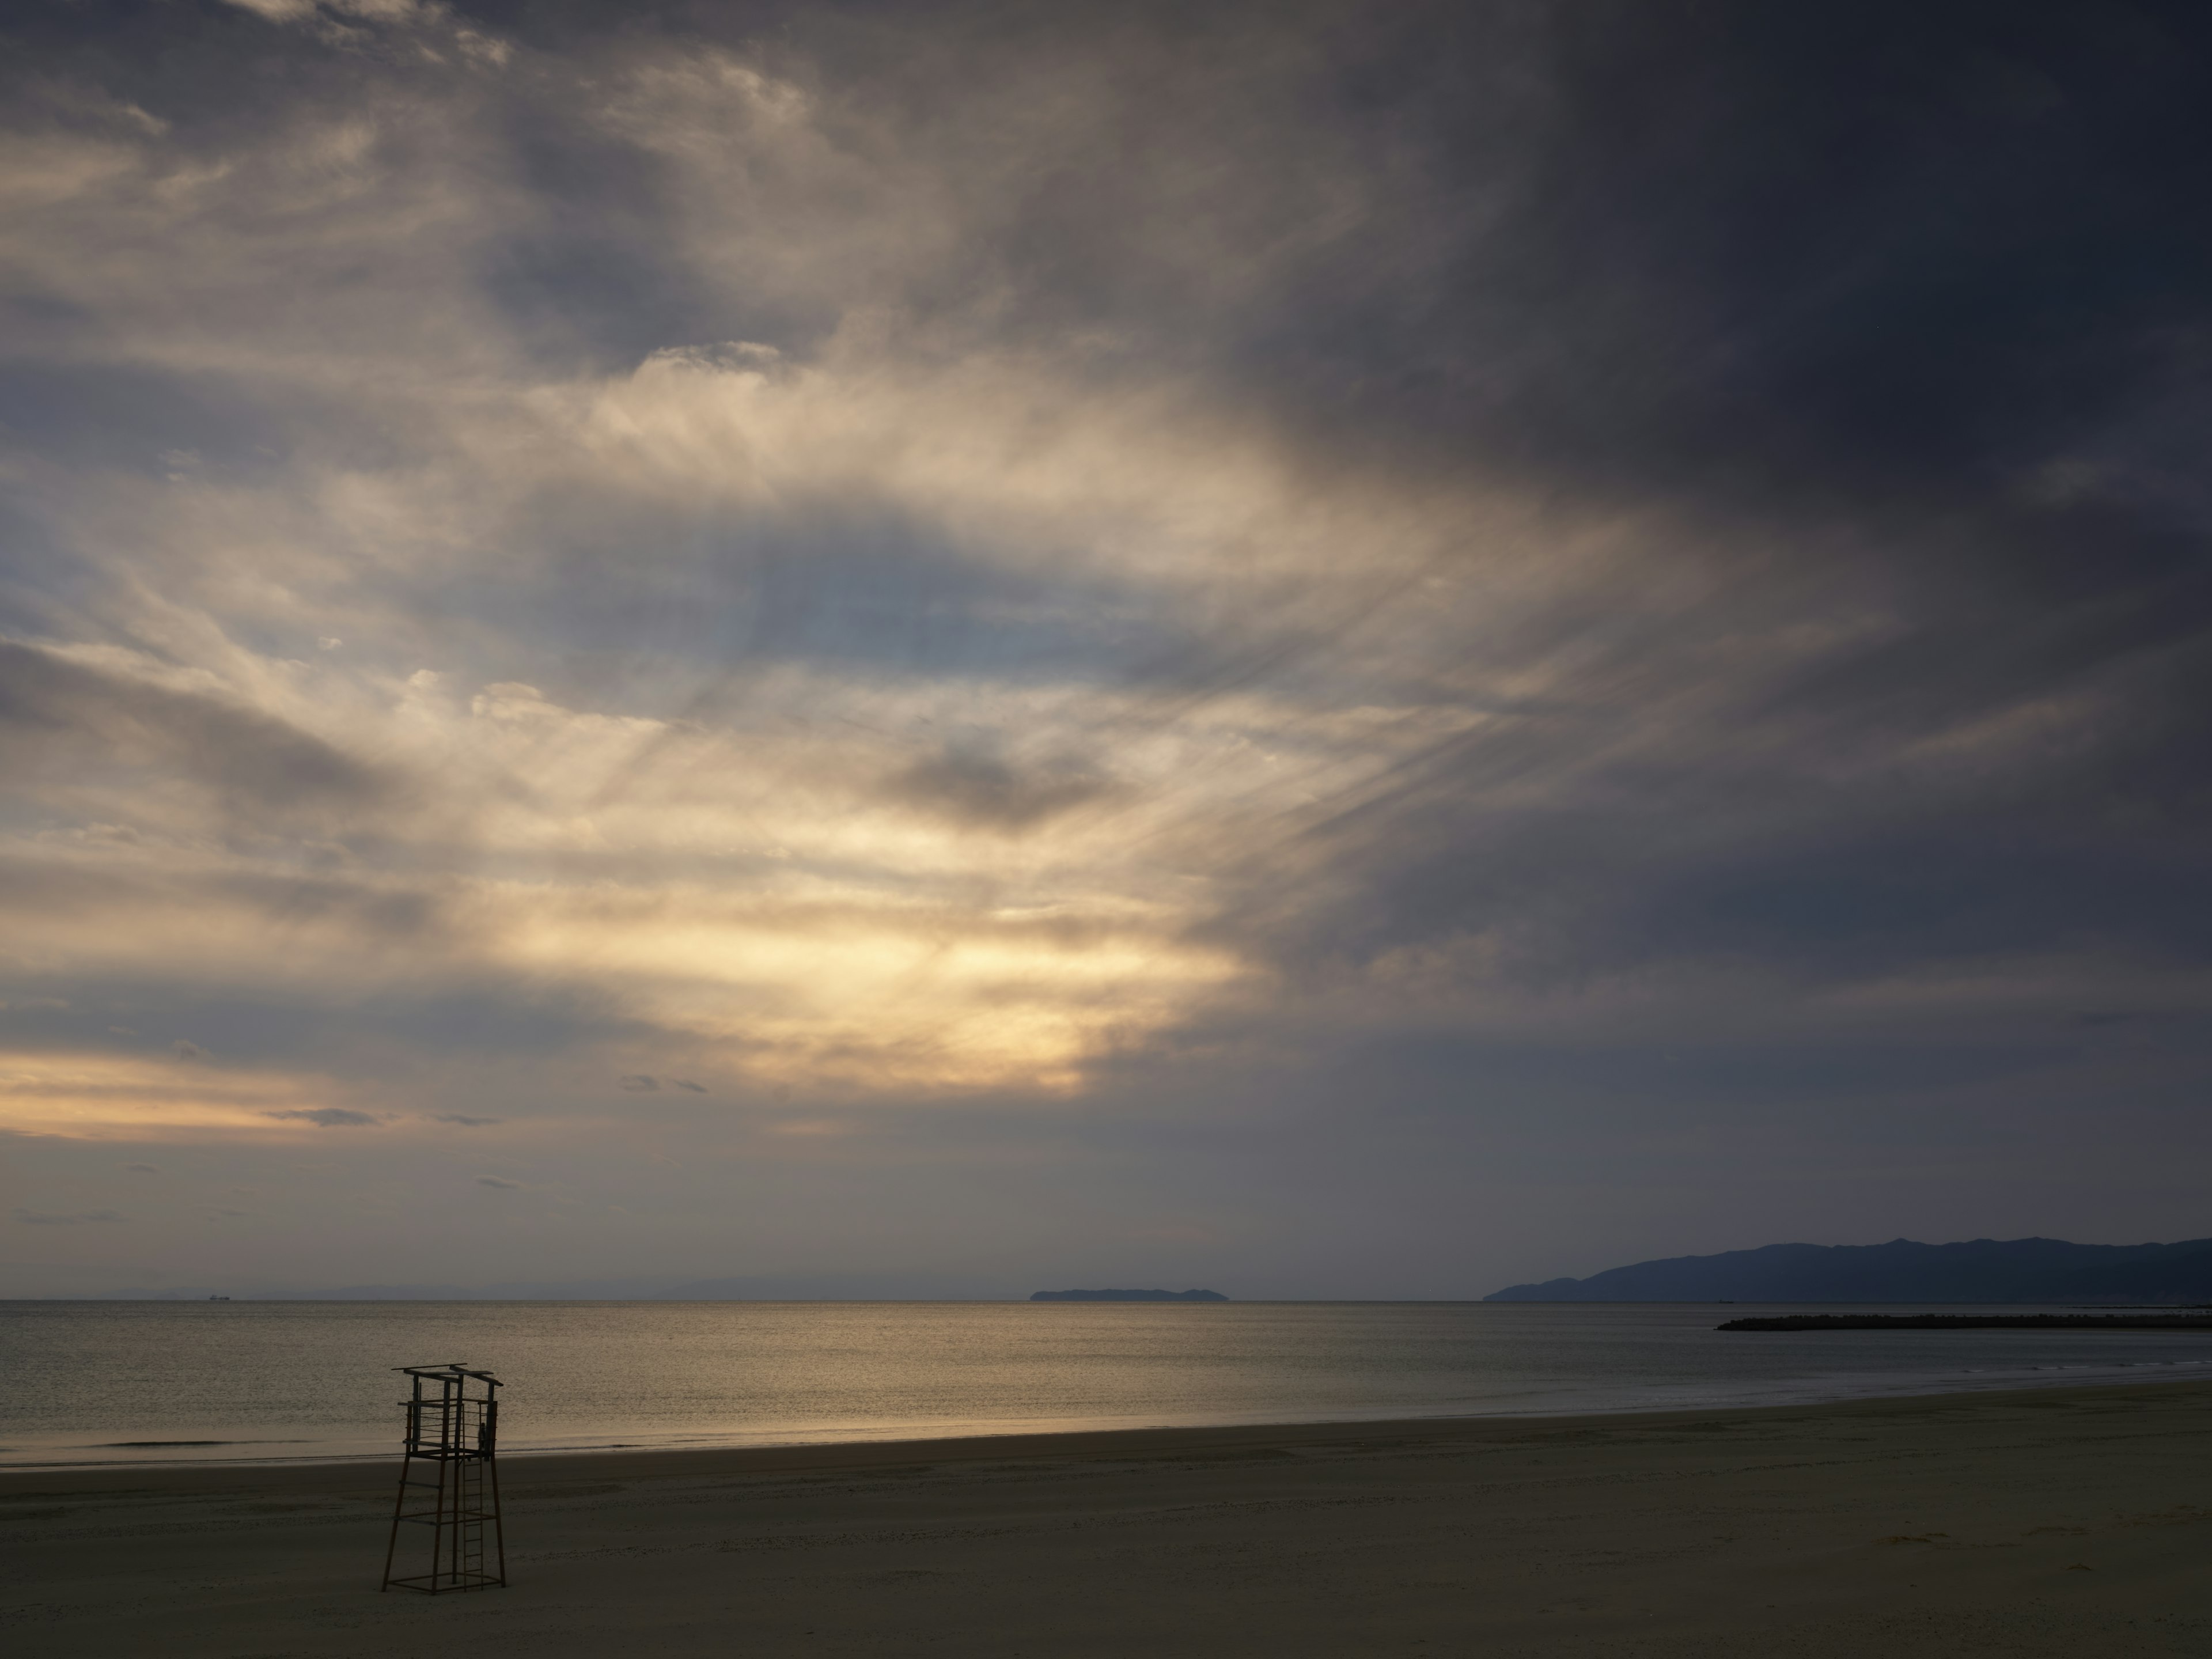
1979, 1270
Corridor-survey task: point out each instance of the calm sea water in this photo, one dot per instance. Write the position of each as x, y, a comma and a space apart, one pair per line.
122, 1382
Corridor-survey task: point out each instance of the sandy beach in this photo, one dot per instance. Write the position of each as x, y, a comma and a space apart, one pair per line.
2074, 1523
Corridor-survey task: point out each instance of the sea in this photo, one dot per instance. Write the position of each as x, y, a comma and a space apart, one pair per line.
143, 1382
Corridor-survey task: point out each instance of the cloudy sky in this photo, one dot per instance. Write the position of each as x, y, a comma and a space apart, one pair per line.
1328, 650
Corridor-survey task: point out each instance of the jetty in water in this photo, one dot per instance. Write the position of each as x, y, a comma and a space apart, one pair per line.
2188, 1321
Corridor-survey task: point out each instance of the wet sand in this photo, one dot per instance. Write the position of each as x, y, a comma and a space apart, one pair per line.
2074, 1523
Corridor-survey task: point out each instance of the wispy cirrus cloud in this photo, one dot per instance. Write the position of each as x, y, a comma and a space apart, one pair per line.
1115, 599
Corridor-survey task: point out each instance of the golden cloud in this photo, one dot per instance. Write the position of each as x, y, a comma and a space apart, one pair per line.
108, 1097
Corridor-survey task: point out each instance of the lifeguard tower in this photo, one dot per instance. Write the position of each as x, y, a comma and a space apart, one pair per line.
448, 1484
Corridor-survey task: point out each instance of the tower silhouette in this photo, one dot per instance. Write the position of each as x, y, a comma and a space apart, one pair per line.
448, 1484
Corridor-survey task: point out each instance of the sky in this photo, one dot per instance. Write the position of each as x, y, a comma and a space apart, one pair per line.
953, 648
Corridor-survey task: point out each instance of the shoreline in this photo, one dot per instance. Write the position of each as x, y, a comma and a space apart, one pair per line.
640, 1463
1556, 1367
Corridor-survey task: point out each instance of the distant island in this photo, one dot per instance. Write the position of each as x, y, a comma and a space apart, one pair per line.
1127, 1295
2045, 1270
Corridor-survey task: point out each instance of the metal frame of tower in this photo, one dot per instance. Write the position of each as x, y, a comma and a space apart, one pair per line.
455, 1433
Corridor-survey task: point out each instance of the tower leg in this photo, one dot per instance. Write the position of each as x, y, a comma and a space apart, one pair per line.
399, 1508
498, 1526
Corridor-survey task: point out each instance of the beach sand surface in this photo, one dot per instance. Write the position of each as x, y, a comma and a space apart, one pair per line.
2074, 1522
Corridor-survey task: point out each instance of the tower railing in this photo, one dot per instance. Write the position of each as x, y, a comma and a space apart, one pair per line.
448, 1484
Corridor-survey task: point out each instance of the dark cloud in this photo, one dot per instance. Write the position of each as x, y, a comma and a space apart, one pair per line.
51, 709
983, 790
1895, 312
494, 1181
327, 1117
1949, 251
638, 1083
686, 1082
464, 1121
